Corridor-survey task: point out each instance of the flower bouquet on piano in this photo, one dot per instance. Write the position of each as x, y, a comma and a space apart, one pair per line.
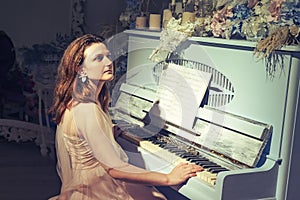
171, 36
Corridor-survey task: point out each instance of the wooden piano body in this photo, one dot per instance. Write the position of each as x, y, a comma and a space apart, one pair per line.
239, 87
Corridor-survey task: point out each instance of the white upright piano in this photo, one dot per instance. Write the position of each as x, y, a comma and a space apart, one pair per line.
250, 105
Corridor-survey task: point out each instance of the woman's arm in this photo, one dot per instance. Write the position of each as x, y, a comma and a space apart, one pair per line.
96, 130
179, 174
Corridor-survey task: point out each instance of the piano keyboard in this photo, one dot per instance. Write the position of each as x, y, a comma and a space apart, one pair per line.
175, 153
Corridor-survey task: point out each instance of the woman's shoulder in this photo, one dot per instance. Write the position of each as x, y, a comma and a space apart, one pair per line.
86, 105
85, 108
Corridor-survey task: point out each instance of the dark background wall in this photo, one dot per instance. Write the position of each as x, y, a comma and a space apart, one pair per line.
38, 21
34, 21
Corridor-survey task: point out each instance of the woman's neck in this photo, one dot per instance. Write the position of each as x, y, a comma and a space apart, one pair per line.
99, 88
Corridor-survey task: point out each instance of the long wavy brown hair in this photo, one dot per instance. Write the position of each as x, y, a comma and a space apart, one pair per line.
67, 74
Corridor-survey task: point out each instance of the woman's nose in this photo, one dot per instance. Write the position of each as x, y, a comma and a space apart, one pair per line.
108, 61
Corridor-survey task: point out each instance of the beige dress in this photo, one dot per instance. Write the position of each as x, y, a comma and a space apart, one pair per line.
84, 142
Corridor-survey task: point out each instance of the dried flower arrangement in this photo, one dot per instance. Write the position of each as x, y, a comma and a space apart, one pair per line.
272, 24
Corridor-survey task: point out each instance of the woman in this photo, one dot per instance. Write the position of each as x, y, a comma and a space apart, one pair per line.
90, 163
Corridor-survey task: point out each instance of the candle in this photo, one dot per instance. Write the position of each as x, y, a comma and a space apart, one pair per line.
140, 22
154, 21
188, 17
166, 17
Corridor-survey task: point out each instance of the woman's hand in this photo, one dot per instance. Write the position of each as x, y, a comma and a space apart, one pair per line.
182, 172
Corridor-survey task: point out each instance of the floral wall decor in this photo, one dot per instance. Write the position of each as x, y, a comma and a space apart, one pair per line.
42, 54
37, 65
78, 17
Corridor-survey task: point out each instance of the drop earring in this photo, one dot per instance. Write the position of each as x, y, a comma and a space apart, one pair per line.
83, 76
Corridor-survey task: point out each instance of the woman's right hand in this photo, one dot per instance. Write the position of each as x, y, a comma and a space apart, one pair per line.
182, 172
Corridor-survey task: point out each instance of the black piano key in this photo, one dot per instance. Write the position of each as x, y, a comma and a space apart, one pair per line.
169, 146
187, 154
199, 162
215, 167
178, 153
194, 158
162, 145
157, 142
210, 165
171, 149
198, 159
218, 170
152, 139
174, 150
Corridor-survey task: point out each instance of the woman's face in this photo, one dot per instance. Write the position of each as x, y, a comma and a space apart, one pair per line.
96, 63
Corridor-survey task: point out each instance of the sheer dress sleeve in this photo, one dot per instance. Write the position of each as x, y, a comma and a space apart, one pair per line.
95, 127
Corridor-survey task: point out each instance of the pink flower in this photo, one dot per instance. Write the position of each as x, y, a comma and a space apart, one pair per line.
275, 10
219, 21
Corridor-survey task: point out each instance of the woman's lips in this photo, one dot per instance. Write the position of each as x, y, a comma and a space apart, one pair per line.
108, 71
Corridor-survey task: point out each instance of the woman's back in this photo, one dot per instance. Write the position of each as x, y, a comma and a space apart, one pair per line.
86, 178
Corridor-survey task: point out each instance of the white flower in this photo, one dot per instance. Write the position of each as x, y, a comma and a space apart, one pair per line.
171, 37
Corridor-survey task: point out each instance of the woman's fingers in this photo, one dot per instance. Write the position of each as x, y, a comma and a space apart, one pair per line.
188, 170
183, 164
190, 166
184, 171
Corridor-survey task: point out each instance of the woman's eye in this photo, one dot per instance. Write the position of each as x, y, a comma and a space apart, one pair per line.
109, 56
100, 57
